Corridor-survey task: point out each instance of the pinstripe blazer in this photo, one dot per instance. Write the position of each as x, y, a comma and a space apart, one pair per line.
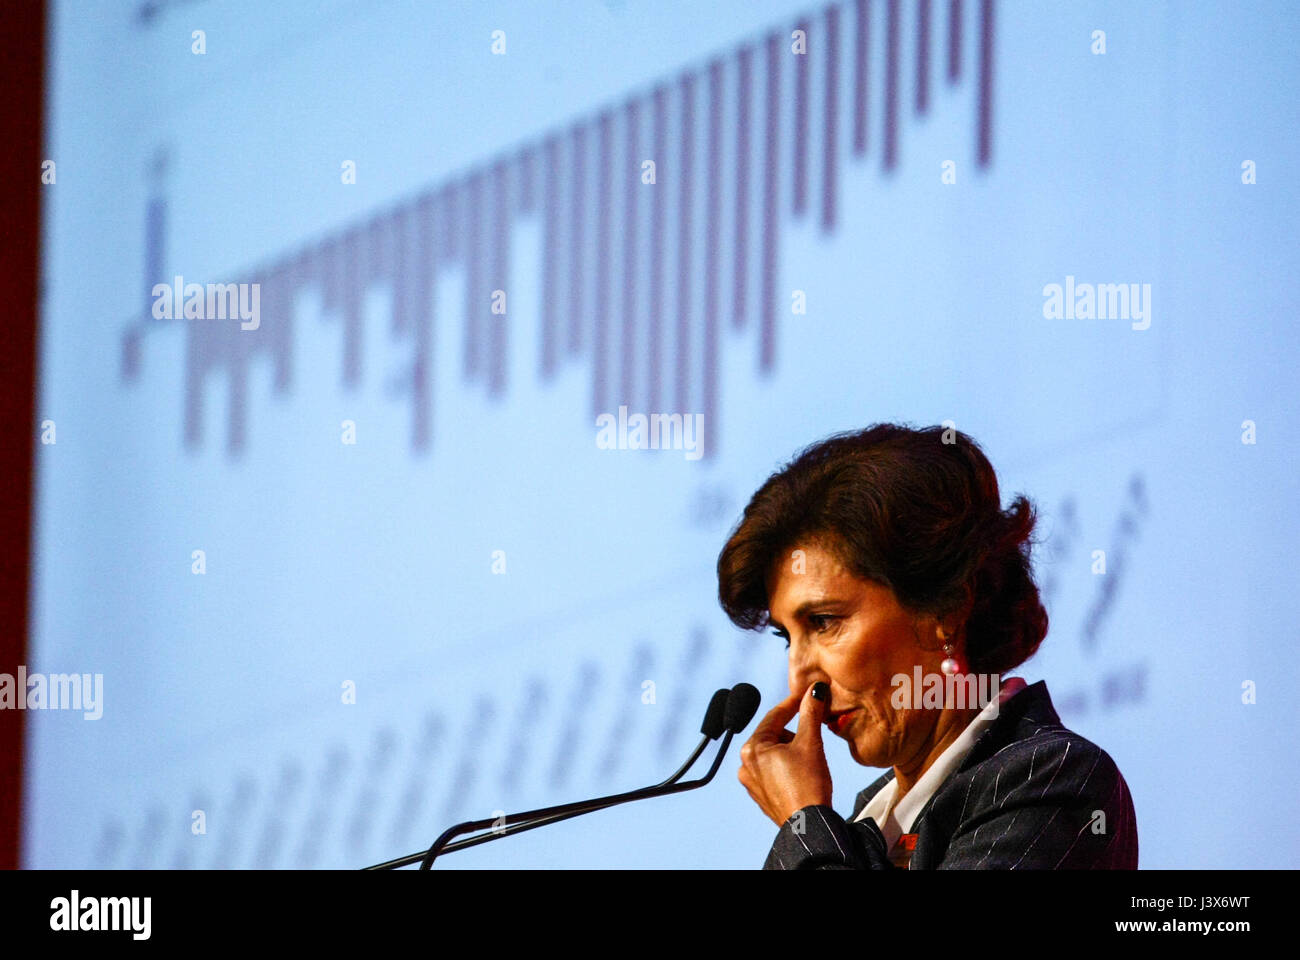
1030, 795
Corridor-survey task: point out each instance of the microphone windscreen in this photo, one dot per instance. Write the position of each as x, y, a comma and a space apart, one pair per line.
715, 716
742, 704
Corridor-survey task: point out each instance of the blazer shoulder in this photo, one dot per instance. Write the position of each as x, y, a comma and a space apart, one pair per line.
1051, 759
1055, 793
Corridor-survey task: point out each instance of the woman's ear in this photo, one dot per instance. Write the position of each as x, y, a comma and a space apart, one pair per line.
929, 632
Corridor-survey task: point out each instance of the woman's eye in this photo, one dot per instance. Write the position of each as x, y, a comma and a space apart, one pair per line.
782, 635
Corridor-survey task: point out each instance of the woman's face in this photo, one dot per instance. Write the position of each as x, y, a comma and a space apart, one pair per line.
852, 634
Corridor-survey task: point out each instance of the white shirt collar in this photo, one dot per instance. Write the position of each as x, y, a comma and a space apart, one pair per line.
895, 820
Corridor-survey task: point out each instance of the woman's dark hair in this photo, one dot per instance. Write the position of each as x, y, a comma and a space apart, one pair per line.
917, 510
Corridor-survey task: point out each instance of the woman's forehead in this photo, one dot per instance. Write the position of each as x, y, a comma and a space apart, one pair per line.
812, 558
815, 576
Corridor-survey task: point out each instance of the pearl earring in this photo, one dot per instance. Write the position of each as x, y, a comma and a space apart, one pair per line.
949, 665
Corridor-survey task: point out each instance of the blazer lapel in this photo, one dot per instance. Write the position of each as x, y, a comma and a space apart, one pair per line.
864, 796
1031, 705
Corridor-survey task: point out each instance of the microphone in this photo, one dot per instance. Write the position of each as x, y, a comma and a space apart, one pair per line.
713, 727
741, 707
728, 713
741, 703
715, 715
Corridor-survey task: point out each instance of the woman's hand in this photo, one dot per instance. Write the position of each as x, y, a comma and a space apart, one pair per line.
785, 771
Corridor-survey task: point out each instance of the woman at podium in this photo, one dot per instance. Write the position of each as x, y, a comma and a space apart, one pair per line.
905, 595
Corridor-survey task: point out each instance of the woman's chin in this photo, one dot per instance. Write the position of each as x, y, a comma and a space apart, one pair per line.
869, 752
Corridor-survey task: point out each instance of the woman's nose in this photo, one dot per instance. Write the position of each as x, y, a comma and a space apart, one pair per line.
804, 669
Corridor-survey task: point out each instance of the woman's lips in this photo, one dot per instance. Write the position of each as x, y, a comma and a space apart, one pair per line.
838, 721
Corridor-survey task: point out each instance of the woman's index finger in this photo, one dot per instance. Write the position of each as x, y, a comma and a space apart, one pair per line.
773, 723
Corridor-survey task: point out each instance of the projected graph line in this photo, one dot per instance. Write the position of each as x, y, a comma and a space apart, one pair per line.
570, 741
462, 781
800, 167
631, 259
771, 204
276, 824
551, 227
186, 850
384, 790
984, 98
577, 238
630, 694
830, 120
954, 40
412, 797
685, 249
531, 711
229, 842
861, 75
654, 329
373, 789
683, 692
1127, 529
469, 221
1060, 547
742, 164
890, 158
922, 56
316, 830
151, 833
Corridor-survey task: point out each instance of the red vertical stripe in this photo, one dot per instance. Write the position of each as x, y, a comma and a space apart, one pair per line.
22, 74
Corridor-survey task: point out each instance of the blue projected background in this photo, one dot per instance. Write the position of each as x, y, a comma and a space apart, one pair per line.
860, 231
